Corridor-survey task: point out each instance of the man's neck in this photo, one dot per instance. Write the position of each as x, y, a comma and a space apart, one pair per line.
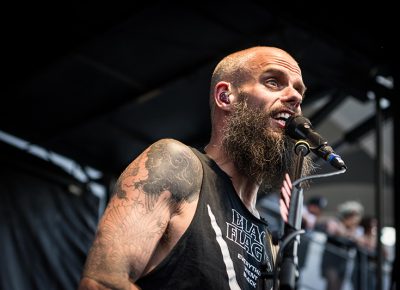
245, 189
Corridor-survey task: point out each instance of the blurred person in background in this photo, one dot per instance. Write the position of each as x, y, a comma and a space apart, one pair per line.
343, 233
346, 223
313, 211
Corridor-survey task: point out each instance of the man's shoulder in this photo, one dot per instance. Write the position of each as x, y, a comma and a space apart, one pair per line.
172, 148
175, 167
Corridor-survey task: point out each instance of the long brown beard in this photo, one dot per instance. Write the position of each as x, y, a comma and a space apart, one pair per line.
258, 152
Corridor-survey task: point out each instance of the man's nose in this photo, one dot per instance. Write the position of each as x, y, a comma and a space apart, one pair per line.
292, 98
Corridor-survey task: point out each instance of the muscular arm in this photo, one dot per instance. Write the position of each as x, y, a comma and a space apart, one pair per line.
147, 194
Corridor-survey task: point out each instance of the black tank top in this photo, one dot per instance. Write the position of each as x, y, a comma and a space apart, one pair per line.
223, 247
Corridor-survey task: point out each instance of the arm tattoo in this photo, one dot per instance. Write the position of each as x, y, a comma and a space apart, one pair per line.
176, 172
169, 169
132, 170
134, 221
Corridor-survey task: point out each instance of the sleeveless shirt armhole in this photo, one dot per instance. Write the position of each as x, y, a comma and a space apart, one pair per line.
274, 249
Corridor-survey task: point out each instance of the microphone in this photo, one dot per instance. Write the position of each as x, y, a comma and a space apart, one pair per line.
299, 127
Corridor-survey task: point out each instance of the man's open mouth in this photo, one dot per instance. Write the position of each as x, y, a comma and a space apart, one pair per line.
281, 117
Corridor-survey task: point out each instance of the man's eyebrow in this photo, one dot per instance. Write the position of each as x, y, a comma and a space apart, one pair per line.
273, 70
280, 73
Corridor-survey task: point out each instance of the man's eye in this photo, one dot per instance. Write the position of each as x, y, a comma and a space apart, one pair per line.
272, 82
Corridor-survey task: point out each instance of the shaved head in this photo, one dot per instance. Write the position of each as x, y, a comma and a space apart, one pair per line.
236, 67
239, 67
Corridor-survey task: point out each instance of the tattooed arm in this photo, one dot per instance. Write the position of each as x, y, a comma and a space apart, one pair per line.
151, 190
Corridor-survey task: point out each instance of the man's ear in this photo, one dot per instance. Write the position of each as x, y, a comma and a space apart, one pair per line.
223, 96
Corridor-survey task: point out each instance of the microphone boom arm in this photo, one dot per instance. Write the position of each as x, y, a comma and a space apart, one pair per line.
299, 128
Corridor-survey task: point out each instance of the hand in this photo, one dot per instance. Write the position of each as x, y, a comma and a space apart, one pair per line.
286, 191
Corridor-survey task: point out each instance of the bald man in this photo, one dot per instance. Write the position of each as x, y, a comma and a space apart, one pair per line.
186, 218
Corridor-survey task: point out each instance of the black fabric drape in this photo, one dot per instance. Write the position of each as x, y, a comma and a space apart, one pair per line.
45, 230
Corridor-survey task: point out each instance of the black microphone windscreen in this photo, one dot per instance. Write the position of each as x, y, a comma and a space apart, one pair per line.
294, 124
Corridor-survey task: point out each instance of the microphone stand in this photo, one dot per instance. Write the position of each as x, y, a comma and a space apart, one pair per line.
289, 266
286, 265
